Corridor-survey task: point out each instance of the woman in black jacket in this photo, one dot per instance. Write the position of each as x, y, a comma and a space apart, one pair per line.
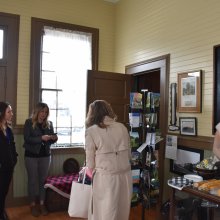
8, 154
38, 137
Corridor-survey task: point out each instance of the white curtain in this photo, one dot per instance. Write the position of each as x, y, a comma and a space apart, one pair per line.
70, 56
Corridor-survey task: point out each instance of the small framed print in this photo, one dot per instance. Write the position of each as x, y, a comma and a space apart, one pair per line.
188, 126
189, 91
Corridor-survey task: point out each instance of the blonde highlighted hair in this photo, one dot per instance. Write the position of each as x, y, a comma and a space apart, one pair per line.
38, 108
97, 112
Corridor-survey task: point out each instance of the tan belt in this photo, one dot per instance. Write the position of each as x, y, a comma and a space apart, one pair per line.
108, 172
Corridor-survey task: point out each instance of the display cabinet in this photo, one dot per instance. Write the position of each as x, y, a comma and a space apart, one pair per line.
144, 133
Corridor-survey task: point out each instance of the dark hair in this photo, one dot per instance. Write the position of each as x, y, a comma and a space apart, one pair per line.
3, 107
97, 112
35, 113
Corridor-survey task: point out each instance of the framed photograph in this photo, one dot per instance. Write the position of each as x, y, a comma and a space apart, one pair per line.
186, 158
188, 126
189, 92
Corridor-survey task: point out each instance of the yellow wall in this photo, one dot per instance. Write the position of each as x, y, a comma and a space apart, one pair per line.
91, 13
185, 29
131, 31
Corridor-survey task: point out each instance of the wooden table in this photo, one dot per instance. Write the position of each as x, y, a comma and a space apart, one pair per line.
192, 191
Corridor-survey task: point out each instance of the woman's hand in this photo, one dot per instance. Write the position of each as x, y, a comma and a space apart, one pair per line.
49, 137
54, 137
46, 137
89, 172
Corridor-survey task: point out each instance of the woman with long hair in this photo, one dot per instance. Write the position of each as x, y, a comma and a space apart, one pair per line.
38, 137
108, 156
8, 154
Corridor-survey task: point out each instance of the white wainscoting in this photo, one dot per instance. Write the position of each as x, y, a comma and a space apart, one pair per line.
57, 158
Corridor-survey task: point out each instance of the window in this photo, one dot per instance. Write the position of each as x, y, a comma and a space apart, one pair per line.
67, 52
1, 43
66, 57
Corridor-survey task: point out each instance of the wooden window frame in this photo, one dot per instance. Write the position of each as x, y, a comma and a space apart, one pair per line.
37, 26
9, 64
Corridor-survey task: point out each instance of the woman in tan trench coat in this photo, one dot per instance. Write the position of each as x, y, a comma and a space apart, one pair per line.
108, 156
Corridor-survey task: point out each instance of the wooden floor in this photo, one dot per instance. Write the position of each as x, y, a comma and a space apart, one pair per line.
23, 213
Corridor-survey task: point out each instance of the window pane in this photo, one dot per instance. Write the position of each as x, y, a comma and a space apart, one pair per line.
47, 61
50, 98
49, 80
1, 43
66, 57
62, 119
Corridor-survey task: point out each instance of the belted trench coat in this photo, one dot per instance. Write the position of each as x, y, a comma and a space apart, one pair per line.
108, 153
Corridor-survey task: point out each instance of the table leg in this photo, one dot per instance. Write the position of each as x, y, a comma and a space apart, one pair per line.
172, 204
143, 212
210, 213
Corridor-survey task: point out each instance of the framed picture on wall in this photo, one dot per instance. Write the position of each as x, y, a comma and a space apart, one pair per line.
189, 91
188, 126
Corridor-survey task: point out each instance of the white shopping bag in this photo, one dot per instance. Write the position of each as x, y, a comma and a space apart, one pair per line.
79, 199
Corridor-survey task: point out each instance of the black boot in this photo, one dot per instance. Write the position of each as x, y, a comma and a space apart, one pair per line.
6, 215
2, 217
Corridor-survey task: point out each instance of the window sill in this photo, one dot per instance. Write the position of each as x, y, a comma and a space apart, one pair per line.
77, 149
63, 146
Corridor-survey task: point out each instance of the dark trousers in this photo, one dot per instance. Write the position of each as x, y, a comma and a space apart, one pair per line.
37, 171
5, 179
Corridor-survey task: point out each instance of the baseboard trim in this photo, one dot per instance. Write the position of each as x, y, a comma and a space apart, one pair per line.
15, 202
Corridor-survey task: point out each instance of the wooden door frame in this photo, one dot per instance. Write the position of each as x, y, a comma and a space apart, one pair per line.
9, 63
9, 68
162, 64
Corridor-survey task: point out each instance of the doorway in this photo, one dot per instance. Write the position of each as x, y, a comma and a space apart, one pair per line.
147, 72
